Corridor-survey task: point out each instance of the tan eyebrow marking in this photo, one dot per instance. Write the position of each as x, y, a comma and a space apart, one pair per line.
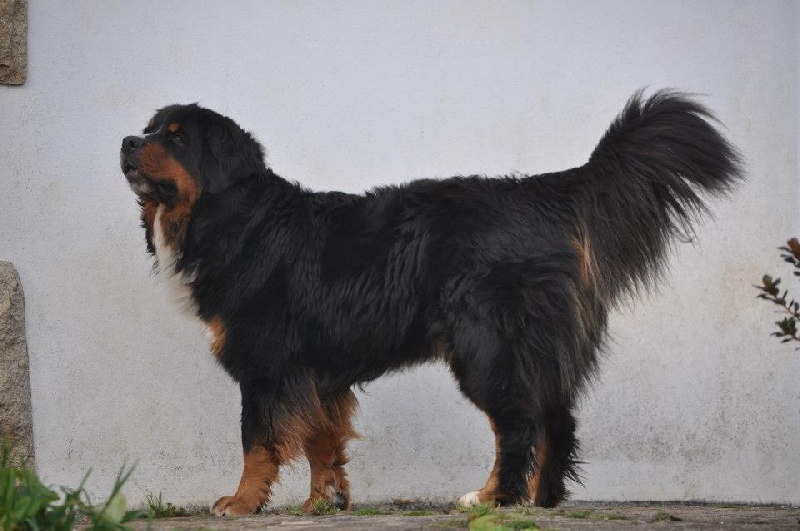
151, 123
173, 127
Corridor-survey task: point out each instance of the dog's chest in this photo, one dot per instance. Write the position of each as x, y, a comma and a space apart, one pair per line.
178, 282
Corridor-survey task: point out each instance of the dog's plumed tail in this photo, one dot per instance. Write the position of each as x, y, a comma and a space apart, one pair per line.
643, 184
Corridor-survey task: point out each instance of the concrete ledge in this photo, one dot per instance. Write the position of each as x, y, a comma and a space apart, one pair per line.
15, 390
575, 515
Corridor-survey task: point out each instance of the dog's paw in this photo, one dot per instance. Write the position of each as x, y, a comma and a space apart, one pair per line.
470, 498
236, 506
340, 500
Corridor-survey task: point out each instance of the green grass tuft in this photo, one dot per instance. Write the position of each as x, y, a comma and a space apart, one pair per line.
419, 512
294, 510
323, 507
501, 522
368, 511
481, 509
160, 509
486, 517
662, 516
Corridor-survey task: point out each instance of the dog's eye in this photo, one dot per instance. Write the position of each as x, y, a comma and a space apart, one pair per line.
178, 137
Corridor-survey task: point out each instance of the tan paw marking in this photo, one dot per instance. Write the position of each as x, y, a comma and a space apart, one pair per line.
235, 506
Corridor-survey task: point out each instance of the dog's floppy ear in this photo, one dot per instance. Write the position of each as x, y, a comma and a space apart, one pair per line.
230, 155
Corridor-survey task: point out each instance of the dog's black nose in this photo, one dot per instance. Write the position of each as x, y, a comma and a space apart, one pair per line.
132, 143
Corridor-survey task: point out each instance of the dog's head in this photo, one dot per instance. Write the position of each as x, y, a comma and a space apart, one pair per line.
187, 151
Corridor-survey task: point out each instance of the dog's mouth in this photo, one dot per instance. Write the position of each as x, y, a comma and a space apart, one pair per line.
131, 172
137, 180
134, 176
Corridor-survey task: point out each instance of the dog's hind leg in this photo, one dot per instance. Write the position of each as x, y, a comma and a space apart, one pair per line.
553, 447
488, 492
533, 458
325, 450
514, 462
556, 449
514, 420
513, 357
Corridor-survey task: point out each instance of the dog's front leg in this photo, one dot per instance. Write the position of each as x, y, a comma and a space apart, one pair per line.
276, 420
261, 460
261, 468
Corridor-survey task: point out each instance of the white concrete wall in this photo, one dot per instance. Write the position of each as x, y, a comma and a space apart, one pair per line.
694, 401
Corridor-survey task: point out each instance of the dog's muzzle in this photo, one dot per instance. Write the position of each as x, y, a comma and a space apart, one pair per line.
129, 162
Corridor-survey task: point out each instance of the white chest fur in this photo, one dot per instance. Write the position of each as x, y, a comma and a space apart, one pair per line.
178, 283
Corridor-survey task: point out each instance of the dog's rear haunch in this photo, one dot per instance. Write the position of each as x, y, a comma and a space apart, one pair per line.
508, 280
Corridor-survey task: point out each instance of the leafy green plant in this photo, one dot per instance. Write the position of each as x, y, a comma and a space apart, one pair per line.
787, 327
27, 504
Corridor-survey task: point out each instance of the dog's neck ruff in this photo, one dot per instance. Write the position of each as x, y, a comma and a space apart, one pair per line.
178, 282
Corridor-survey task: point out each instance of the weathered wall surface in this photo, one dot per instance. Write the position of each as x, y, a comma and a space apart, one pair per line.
694, 400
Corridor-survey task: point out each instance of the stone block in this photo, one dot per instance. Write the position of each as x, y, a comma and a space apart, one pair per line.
13, 41
15, 391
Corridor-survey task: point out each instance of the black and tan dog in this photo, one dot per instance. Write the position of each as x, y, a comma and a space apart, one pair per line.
507, 280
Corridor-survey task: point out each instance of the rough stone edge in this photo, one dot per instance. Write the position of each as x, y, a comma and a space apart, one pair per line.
16, 419
13, 42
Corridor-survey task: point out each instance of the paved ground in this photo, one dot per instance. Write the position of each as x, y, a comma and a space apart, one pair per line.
639, 516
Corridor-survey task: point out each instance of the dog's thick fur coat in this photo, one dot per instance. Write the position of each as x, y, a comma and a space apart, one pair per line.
507, 280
